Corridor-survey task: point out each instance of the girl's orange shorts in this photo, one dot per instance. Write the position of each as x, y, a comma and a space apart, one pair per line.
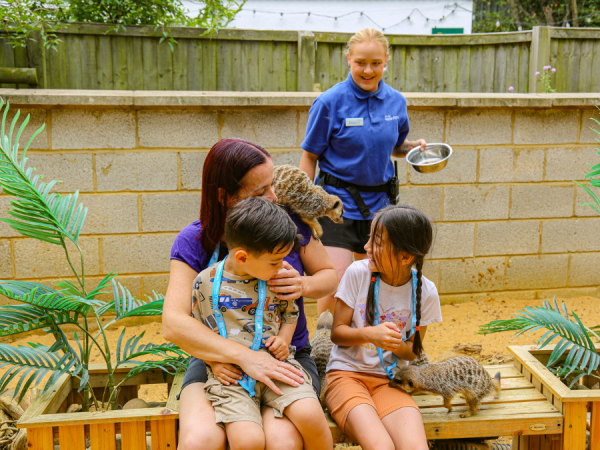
345, 390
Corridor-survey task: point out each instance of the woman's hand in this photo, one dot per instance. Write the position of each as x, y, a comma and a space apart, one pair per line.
413, 144
401, 150
386, 335
287, 283
263, 367
225, 373
278, 347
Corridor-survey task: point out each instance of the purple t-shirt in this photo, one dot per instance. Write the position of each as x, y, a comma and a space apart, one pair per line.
188, 249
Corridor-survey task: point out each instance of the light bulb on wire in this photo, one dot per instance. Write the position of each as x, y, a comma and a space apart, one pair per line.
497, 23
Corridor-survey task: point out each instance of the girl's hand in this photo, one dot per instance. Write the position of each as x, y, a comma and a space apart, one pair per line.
287, 283
225, 373
278, 347
386, 335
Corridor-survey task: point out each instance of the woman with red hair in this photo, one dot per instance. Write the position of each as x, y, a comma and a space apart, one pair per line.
236, 169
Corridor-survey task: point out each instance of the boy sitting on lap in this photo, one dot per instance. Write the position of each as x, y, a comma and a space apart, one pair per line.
258, 234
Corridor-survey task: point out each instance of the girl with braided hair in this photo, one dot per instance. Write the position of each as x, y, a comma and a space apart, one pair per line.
379, 325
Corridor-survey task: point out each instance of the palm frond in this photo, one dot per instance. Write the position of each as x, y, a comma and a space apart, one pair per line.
37, 294
574, 337
125, 305
105, 283
37, 212
15, 319
171, 365
133, 350
30, 365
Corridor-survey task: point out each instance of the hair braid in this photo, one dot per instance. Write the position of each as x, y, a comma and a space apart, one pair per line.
417, 343
370, 307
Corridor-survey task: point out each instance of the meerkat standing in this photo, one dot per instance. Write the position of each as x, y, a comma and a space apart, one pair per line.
462, 375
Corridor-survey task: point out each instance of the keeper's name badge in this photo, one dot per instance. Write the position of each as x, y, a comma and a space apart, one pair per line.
354, 122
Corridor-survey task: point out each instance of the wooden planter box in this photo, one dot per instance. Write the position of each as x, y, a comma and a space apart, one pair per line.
46, 420
574, 404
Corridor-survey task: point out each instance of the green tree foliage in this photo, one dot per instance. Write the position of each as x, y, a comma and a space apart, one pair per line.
508, 15
21, 18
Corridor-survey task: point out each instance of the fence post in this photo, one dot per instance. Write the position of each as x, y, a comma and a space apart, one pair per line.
539, 56
306, 61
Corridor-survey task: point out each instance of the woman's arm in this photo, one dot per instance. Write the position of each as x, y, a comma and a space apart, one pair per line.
321, 278
180, 328
308, 163
400, 151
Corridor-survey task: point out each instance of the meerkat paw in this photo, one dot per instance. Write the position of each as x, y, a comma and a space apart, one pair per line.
448, 404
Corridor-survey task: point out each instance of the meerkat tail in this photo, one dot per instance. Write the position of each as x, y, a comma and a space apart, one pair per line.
497, 382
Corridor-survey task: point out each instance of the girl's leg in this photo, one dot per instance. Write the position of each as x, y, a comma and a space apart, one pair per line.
405, 427
341, 259
197, 427
364, 426
280, 434
307, 415
245, 435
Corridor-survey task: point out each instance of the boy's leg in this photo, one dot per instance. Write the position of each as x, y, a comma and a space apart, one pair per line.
197, 427
405, 427
245, 435
364, 426
280, 433
307, 415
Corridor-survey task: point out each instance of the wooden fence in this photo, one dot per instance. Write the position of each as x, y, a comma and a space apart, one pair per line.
245, 60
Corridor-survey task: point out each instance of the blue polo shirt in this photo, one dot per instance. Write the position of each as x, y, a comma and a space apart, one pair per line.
357, 154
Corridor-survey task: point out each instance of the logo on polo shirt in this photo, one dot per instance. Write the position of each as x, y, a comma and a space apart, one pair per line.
388, 117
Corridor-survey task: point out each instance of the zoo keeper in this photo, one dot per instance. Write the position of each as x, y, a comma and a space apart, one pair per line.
236, 169
353, 130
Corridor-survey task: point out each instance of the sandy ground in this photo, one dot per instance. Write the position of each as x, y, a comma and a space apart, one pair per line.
460, 325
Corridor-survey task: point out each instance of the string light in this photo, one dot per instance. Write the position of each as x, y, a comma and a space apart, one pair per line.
497, 23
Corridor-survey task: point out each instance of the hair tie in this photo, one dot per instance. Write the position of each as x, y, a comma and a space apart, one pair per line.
374, 279
417, 328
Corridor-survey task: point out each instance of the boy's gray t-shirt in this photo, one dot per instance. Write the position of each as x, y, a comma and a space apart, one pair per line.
238, 300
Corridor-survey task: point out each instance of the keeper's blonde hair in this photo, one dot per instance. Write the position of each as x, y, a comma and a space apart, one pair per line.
368, 35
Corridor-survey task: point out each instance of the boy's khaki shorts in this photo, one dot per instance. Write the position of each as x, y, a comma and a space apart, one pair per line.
233, 403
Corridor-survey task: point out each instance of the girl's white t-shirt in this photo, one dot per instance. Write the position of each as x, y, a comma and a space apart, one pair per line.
395, 305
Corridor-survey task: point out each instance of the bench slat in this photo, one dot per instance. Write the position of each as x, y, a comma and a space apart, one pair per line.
494, 409
506, 371
508, 396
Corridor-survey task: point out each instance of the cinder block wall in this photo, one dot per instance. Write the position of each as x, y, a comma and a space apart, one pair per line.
508, 218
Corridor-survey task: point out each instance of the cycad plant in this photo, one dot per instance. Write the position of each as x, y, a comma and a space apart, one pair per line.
572, 335
57, 219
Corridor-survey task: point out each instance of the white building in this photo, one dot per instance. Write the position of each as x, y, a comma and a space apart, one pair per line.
350, 16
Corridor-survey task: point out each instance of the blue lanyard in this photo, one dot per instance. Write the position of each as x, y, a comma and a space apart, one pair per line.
246, 382
215, 256
389, 369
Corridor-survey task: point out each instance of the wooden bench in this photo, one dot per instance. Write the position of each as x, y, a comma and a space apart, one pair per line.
520, 411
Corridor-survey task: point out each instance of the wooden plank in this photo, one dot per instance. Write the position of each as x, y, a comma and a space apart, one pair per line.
475, 69
488, 57
172, 402
595, 82
505, 396
279, 66
291, 82
20, 55
562, 66
57, 67
164, 57
133, 435
36, 58
539, 56
510, 67
103, 436
524, 69
335, 71
253, 76
506, 371
104, 63
209, 66
120, 62
49, 402
412, 70
73, 62
539, 407
21, 76
451, 69
595, 427
238, 78
574, 425
150, 64
464, 68
40, 439
585, 66
164, 435
136, 59
435, 40
224, 67
398, 60
180, 67
194, 65
322, 66
499, 78
72, 437
574, 68
89, 68
575, 33
98, 380
7, 60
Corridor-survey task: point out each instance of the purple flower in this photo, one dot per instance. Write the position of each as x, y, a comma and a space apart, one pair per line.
547, 67
537, 74
553, 70
511, 89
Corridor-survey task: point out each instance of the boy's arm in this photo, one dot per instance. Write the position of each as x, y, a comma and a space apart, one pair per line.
286, 331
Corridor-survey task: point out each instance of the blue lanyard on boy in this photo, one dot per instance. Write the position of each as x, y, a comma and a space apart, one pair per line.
215, 256
246, 382
413, 325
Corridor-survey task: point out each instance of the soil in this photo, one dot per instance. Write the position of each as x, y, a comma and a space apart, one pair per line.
460, 325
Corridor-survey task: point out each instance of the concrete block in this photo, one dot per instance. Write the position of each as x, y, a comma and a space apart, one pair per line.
137, 254
293, 158
136, 171
425, 199
530, 201
547, 126
37, 118
74, 170
5, 260
530, 272
584, 269
582, 197
302, 123
109, 214
428, 125
37, 259
453, 240
5, 229
570, 163
169, 212
431, 269
570, 293
178, 129
472, 275
101, 128
510, 164
579, 235
157, 283
133, 283
461, 168
192, 165
267, 128
507, 238
453, 299
588, 135
479, 127
479, 202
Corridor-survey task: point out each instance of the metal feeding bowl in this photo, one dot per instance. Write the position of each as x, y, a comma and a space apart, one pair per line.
433, 159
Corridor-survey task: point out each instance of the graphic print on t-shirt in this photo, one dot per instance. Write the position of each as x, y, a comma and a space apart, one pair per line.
399, 316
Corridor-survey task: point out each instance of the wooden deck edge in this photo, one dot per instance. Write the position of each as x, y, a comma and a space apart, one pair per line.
49, 401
